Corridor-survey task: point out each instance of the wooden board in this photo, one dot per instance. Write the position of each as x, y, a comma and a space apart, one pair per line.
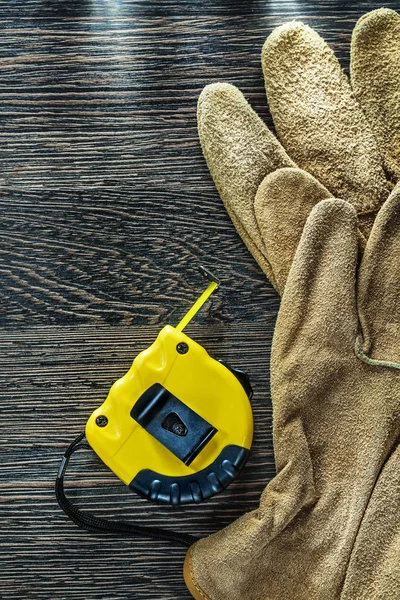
107, 208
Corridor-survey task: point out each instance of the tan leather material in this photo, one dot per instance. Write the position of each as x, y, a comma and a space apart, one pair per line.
191, 584
328, 524
240, 151
282, 204
374, 566
379, 285
348, 141
318, 121
336, 434
375, 74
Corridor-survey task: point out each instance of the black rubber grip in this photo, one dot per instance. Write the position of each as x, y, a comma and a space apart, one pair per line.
193, 488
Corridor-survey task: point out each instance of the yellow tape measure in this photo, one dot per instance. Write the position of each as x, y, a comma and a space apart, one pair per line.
177, 428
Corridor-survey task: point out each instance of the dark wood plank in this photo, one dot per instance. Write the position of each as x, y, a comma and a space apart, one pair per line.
100, 93
101, 257
52, 378
107, 209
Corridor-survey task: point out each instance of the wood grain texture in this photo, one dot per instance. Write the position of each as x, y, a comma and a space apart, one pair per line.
52, 379
101, 257
107, 208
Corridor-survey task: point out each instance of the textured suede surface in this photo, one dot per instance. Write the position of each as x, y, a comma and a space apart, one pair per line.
348, 142
240, 151
317, 119
282, 204
379, 290
374, 566
375, 70
328, 524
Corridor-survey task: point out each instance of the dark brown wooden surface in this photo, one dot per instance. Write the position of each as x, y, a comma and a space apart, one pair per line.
106, 209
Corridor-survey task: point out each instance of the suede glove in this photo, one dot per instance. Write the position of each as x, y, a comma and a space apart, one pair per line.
328, 524
337, 139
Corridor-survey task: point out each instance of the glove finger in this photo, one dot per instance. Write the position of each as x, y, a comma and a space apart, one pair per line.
259, 255
240, 151
317, 119
282, 205
379, 285
318, 308
375, 76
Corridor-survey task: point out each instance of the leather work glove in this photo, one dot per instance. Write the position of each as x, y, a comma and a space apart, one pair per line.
338, 140
328, 524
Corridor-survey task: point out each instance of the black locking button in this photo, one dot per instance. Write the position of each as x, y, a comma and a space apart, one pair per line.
175, 425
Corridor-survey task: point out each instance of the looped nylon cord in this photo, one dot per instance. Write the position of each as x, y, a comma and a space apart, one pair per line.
99, 524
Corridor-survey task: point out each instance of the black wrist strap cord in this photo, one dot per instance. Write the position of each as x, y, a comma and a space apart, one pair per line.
99, 524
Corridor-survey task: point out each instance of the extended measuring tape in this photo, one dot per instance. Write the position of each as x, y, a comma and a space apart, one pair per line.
177, 428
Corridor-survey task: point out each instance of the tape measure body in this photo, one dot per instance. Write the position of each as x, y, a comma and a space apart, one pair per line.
177, 428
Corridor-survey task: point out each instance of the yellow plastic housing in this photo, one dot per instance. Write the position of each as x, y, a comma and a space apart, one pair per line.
201, 382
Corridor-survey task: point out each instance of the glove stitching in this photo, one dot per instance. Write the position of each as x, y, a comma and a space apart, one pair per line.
202, 594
